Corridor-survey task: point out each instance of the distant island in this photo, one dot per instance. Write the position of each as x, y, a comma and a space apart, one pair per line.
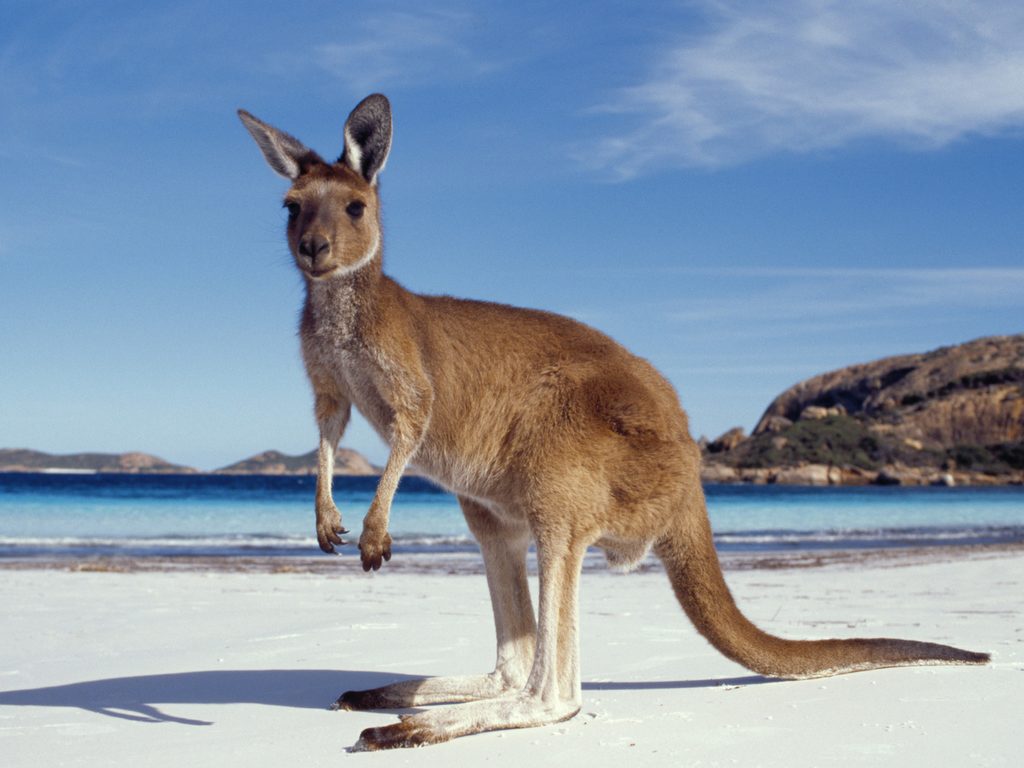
952, 416
346, 462
25, 460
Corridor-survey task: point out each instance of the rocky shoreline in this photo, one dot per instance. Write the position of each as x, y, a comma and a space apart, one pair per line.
820, 475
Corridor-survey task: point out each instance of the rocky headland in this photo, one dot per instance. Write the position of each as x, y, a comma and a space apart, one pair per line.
953, 416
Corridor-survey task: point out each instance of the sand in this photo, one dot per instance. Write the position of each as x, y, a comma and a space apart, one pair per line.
204, 666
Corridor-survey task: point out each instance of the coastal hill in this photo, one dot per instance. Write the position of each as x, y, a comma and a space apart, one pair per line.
24, 460
346, 462
953, 414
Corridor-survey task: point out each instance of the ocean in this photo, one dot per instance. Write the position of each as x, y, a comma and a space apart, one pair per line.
55, 516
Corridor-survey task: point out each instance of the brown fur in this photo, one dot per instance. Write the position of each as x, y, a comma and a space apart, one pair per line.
546, 429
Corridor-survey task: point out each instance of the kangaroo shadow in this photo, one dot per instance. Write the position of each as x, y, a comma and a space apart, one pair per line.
135, 698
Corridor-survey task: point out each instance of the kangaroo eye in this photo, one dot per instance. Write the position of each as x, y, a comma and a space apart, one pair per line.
293, 210
355, 208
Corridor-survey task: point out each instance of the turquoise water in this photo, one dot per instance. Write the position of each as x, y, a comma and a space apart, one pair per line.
45, 515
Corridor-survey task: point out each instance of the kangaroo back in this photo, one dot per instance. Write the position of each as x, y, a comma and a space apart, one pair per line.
689, 556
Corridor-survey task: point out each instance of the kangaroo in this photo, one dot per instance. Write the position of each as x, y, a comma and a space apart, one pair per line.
546, 430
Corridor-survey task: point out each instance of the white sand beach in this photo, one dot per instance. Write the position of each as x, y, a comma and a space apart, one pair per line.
209, 667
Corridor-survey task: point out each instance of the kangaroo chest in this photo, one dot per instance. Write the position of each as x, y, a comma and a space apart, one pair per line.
339, 364
351, 375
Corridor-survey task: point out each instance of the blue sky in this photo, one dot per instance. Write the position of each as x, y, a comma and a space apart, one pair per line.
747, 194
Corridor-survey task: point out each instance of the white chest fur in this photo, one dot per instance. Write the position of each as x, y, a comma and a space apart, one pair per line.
337, 355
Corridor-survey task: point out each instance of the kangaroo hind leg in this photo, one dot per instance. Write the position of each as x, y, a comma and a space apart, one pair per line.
503, 542
552, 692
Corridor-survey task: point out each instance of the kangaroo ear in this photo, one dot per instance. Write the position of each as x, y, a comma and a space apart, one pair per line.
368, 137
284, 153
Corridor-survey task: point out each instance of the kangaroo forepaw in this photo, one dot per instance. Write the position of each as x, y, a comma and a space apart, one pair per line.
374, 550
329, 529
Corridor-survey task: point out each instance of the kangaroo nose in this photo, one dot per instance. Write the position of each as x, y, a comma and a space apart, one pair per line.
314, 246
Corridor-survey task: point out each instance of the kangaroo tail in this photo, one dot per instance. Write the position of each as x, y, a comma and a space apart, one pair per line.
689, 556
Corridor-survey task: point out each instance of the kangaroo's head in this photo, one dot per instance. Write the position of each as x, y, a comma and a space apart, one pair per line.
333, 208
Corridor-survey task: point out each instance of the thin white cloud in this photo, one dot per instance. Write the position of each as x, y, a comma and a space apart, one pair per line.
402, 48
806, 75
854, 296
